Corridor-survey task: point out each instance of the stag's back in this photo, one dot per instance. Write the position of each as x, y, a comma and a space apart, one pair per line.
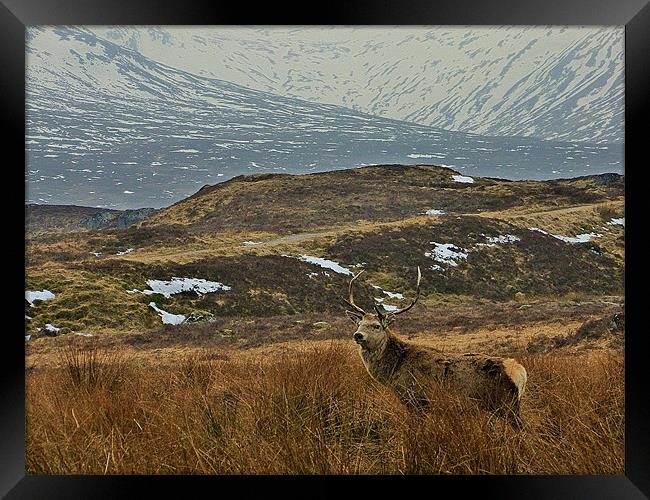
496, 383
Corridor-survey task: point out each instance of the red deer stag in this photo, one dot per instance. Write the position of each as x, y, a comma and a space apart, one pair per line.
496, 383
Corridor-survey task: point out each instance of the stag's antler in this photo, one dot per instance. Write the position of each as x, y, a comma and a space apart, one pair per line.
417, 296
350, 300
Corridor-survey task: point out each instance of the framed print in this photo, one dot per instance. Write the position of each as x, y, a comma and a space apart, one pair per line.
382, 244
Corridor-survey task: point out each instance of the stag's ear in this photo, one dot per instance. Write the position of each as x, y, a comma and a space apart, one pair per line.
354, 316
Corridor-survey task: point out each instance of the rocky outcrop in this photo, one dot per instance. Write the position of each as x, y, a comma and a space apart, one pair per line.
115, 219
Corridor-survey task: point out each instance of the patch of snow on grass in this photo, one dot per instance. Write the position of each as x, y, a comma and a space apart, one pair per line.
388, 307
433, 211
327, 264
28, 337
251, 243
617, 222
51, 328
32, 297
391, 295
580, 238
502, 239
446, 253
463, 179
128, 250
179, 285
167, 318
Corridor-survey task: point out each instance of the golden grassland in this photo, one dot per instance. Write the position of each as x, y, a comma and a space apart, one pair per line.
171, 403
311, 410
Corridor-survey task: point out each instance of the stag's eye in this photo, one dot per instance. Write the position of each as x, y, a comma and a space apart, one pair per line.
376, 327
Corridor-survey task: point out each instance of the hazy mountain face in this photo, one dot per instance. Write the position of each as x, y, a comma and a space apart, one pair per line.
110, 127
544, 82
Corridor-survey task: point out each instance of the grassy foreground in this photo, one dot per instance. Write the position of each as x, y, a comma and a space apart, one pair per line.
102, 412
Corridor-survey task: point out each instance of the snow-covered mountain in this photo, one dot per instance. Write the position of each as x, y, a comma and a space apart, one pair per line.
561, 83
110, 127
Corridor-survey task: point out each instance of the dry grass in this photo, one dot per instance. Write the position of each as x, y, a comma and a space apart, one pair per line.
318, 413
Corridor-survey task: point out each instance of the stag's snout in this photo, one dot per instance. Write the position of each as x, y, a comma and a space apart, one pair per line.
358, 337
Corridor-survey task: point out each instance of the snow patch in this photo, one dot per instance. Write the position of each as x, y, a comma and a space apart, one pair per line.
617, 222
434, 211
179, 285
580, 238
51, 328
446, 253
167, 318
463, 178
393, 295
32, 297
327, 264
128, 250
419, 155
502, 239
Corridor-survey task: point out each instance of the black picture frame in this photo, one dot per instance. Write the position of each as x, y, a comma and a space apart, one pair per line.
15, 15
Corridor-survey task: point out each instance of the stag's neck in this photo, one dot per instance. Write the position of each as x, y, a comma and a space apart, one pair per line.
382, 361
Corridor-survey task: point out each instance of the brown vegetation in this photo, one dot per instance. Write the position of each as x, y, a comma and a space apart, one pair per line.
377, 193
314, 413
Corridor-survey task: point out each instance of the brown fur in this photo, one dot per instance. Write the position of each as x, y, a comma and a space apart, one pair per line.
496, 383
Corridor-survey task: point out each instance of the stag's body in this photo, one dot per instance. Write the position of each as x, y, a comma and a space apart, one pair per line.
496, 383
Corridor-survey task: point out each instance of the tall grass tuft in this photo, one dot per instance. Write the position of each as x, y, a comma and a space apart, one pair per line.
87, 367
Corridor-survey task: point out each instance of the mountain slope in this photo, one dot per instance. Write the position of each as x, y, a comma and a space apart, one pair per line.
110, 128
287, 245
554, 83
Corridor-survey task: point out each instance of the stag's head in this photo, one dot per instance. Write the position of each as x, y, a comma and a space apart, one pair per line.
372, 327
